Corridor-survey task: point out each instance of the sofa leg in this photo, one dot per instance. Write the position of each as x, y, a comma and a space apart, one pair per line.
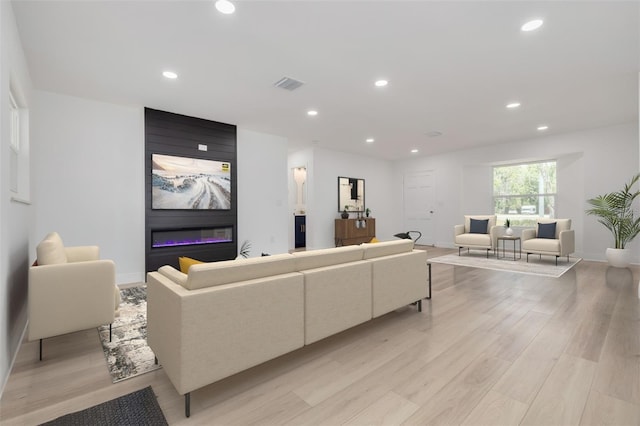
155, 360
187, 404
419, 305
459, 250
429, 265
527, 257
40, 349
110, 331
487, 253
557, 260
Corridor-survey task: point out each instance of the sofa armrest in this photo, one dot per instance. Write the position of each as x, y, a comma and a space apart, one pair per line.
567, 242
528, 234
458, 230
493, 234
82, 253
69, 297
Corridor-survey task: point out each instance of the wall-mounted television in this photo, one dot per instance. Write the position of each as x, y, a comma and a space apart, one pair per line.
181, 183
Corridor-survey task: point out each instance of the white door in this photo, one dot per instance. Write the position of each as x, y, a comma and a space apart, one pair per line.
419, 193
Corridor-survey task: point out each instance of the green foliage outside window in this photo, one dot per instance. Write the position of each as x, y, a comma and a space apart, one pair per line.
524, 192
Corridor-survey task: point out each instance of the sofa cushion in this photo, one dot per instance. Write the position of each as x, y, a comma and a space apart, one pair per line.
467, 221
231, 271
386, 248
547, 230
561, 224
312, 259
538, 245
186, 262
51, 251
470, 240
477, 226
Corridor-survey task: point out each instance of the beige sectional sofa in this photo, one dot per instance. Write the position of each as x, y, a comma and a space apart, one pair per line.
224, 317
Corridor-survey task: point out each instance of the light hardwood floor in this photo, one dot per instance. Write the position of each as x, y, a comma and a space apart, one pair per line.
490, 348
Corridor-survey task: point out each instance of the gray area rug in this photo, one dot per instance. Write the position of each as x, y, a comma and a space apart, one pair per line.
545, 267
128, 354
139, 408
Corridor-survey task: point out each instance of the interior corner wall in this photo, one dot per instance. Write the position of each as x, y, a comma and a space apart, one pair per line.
263, 214
589, 162
15, 217
323, 194
88, 177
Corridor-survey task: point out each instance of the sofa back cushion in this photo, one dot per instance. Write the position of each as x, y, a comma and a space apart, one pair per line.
561, 225
467, 222
387, 248
51, 251
313, 259
231, 271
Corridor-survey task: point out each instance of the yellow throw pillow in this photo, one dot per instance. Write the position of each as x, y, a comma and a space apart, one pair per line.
374, 240
185, 262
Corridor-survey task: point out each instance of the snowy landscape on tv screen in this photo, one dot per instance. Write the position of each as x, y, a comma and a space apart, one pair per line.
180, 183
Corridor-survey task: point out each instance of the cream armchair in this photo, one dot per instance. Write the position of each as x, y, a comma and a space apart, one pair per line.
70, 289
473, 234
553, 237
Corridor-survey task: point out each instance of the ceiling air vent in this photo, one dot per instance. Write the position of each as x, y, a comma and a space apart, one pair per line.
288, 83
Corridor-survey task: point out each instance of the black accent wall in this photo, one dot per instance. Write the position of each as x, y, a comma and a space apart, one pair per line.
179, 135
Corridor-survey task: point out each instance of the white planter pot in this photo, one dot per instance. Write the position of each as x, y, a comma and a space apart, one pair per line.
620, 258
509, 232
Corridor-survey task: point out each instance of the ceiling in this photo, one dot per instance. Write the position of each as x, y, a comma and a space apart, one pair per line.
452, 66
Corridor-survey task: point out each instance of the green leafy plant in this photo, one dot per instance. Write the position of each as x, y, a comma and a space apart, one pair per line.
507, 223
615, 211
367, 211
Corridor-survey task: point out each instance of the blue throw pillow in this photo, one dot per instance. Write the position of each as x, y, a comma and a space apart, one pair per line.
547, 230
478, 226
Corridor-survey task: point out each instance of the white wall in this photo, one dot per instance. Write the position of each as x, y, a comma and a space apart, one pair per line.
88, 180
263, 212
589, 163
322, 208
14, 216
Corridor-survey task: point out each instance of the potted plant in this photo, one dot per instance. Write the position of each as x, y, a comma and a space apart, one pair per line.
507, 226
367, 211
615, 211
345, 213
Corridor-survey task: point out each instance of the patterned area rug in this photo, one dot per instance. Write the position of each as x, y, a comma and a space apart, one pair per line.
545, 267
128, 354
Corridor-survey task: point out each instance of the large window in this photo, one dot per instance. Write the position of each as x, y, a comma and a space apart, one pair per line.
524, 192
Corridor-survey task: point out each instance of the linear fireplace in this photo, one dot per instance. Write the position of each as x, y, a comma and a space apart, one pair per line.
194, 236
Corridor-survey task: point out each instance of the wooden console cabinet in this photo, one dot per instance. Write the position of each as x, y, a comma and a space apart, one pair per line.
347, 233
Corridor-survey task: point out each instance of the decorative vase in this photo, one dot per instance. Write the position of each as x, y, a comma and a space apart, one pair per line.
620, 258
344, 214
509, 232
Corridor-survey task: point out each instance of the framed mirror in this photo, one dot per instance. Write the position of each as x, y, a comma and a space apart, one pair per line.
351, 194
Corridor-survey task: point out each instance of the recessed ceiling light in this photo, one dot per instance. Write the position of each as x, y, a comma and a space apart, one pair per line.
170, 74
541, 128
513, 105
370, 140
413, 151
534, 24
312, 112
225, 6
381, 83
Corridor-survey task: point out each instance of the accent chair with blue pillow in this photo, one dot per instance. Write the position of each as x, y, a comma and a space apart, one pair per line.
551, 237
477, 232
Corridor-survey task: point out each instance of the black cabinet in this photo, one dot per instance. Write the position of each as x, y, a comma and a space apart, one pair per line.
301, 231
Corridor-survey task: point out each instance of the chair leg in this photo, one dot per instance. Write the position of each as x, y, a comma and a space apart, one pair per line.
527, 257
557, 260
110, 331
40, 349
419, 305
187, 404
